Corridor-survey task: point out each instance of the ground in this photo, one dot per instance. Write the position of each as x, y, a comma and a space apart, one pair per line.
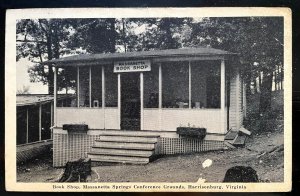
263, 152
179, 168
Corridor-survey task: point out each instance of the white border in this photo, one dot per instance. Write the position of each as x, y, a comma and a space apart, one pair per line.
10, 86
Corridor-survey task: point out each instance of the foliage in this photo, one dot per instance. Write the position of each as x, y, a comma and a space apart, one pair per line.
257, 40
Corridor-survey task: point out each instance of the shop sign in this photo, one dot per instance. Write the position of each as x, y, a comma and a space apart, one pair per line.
132, 66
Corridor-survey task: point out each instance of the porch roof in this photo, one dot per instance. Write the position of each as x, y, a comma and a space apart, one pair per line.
33, 99
183, 52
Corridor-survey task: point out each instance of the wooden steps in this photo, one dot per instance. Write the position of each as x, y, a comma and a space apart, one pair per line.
236, 138
124, 147
121, 152
128, 139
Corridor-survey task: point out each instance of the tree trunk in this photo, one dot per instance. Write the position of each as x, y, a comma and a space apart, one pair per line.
50, 57
281, 78
113, 35
275, 79
124, 34
266, 92
259, 81
50, 81
255, 85
248, 85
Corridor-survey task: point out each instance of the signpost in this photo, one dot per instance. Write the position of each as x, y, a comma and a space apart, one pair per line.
132, 66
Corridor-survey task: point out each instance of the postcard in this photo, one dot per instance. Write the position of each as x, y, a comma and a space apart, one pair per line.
148, 99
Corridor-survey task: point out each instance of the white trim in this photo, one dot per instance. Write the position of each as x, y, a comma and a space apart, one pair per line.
103, 87
51, 112
142, 99
27, 128
78, 90
40, 122
190, 86
237, 113
103, 93
223, 94
90, 85
119, 98
160, 96
55, 94
159, 86
51, 120
244, 100
156, 60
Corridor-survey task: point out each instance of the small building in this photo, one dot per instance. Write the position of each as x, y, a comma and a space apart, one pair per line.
34, 122
129, 100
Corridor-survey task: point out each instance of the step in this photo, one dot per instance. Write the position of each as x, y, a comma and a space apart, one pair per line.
122, 152
124, 145
231, 135
118, 159
136, 139
130, 133
240, 140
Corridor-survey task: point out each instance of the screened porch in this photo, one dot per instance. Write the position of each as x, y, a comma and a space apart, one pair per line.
176, 92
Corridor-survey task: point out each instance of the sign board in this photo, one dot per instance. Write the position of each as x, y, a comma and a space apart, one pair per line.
132, 66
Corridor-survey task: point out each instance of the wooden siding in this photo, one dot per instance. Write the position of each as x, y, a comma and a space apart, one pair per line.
236, 108
170, 119
95, 118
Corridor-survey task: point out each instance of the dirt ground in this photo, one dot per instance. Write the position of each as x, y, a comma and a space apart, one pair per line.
179, 168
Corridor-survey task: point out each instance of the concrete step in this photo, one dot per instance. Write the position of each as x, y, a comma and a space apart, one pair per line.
121, 152
124, 145
134, 139
118, 159
130, 133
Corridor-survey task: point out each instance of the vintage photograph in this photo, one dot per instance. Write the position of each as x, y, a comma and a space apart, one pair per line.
150, 99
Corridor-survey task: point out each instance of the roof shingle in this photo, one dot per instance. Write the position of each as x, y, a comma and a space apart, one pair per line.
142, 54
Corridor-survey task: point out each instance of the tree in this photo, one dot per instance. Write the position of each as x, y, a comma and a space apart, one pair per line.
257, 40
94, 35
40, 40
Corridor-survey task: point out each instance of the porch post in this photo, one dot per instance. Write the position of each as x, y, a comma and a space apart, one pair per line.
103, 87
40, 122
190, 86
55, 96
223, 111
159, 87
90, 85
160, 96
103, 94
119, 98
78, 90
142, 99
51, 120
27, 128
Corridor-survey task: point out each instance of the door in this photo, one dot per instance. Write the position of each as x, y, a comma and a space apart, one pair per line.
130, 101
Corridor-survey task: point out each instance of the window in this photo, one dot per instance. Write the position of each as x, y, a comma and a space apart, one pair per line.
67, 85
175, 85
84, 89
21, 125
46, 121
111, 87
151, 87
33, 124
205, 84
96, 86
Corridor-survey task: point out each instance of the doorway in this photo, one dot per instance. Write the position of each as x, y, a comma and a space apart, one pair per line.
130, 101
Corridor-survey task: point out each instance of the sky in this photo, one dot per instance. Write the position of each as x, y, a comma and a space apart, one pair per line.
24, 80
